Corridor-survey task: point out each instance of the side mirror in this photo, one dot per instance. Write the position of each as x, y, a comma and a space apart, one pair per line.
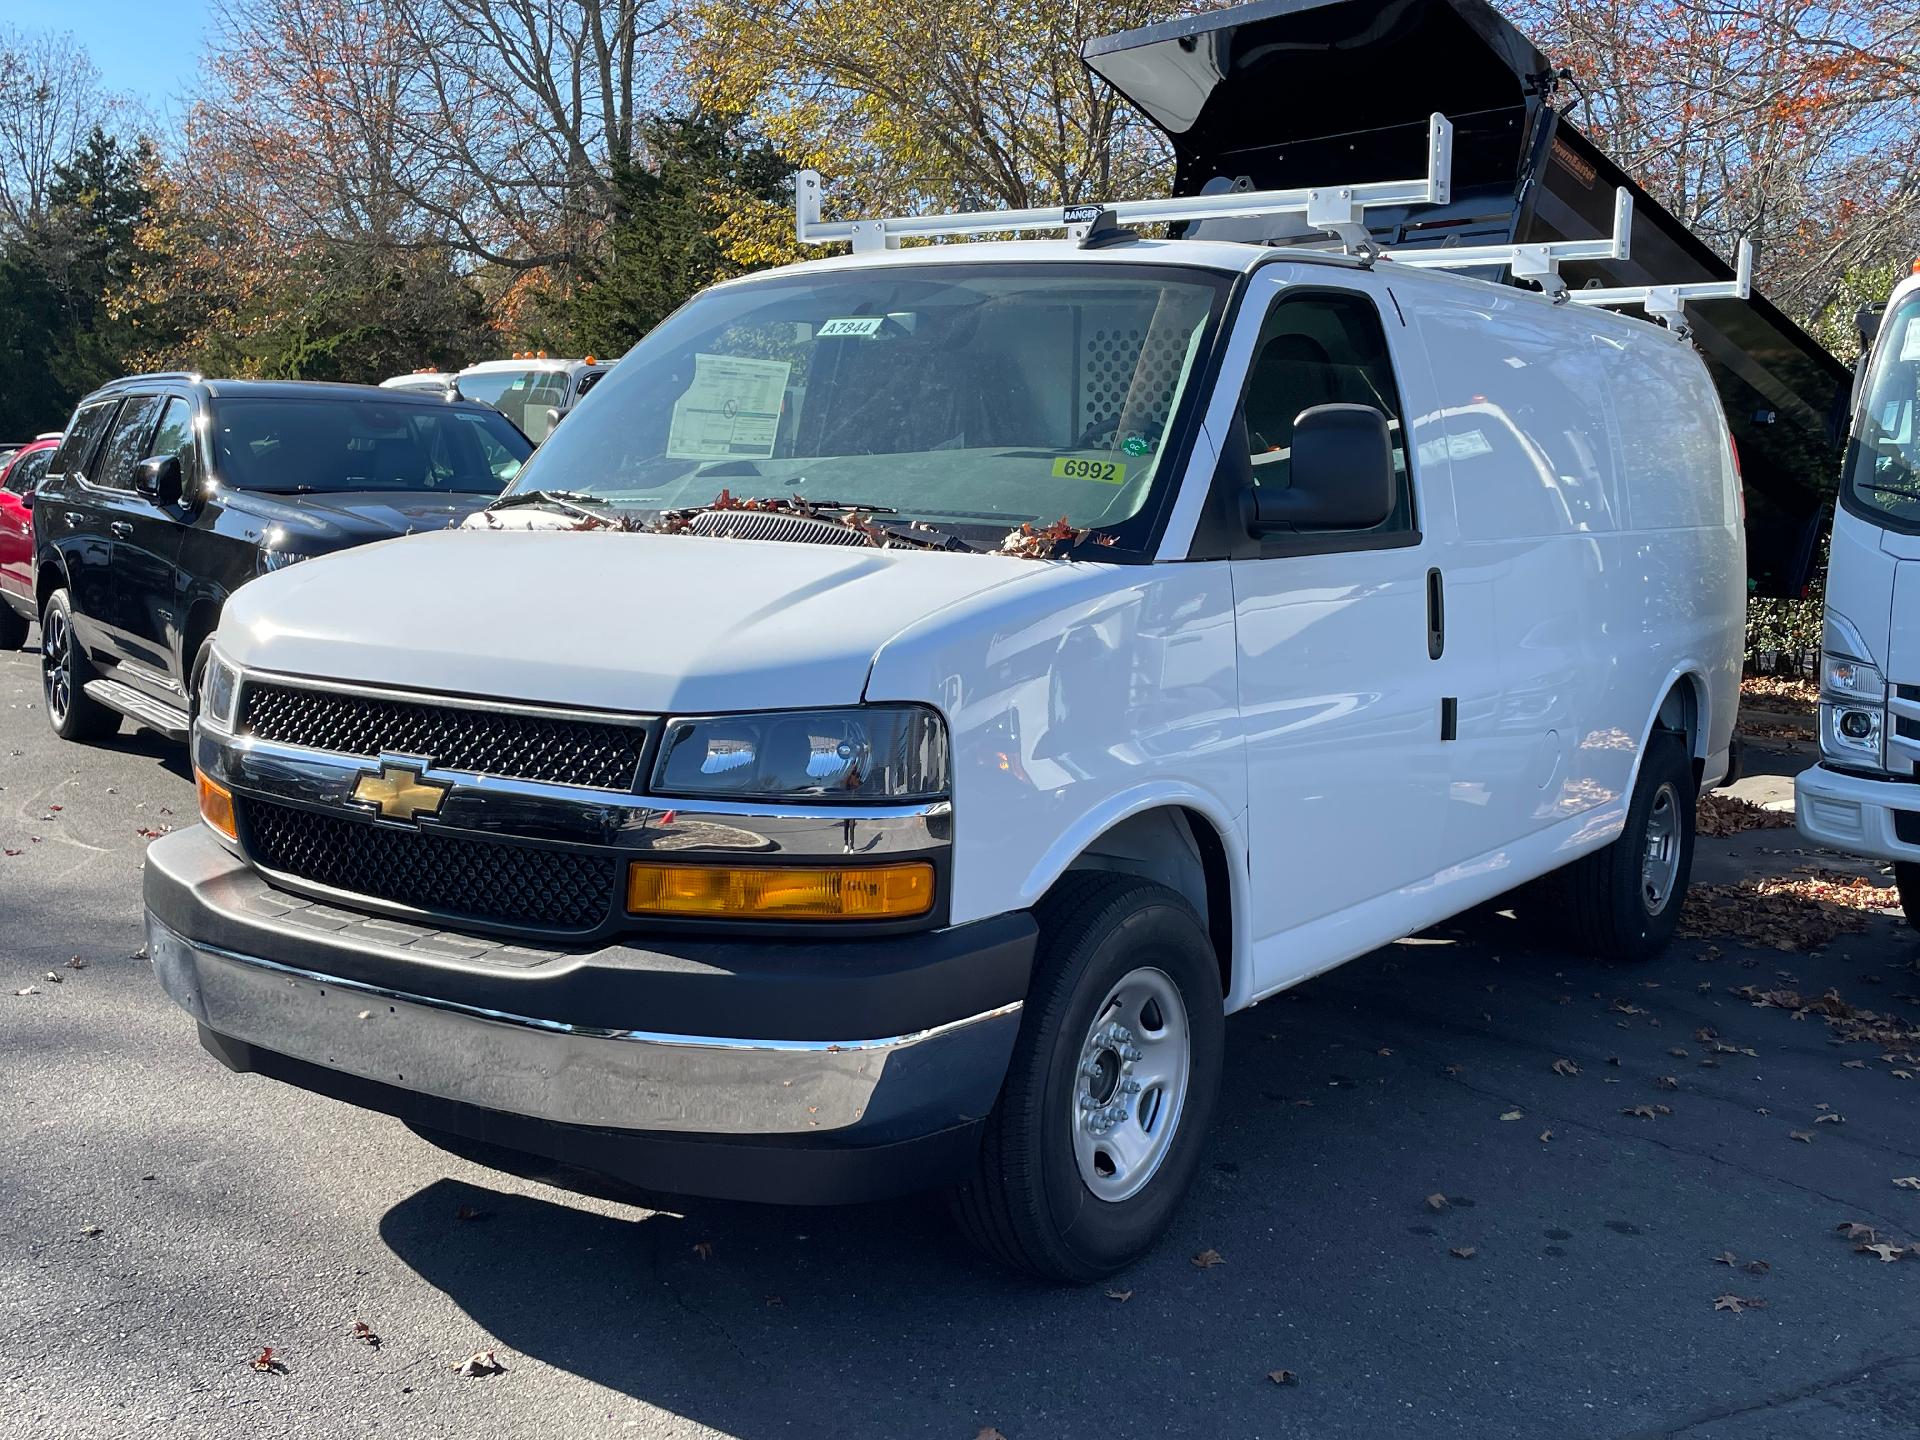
553, 418
26, 499
158, 479
1340, 474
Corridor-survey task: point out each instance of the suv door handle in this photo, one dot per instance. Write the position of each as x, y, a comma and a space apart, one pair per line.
122, 530
74, 517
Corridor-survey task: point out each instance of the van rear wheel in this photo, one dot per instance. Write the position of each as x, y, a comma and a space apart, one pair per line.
1103, 1116
1624, 902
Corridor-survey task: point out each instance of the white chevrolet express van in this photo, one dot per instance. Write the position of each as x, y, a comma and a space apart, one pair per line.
1862, 795
948, 683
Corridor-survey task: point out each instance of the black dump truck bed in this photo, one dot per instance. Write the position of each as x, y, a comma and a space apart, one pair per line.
1282, 94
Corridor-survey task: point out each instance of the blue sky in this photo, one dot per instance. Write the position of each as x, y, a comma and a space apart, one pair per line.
147, 48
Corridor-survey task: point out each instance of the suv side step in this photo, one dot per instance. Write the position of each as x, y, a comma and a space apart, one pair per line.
169, 720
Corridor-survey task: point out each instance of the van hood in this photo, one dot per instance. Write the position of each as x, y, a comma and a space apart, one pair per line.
352, 517
643, 623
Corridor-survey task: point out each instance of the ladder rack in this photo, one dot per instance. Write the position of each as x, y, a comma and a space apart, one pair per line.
1337, 210
1667, 303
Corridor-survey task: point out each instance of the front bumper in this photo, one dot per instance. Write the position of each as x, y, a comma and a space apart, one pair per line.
1860, 815
802, 1072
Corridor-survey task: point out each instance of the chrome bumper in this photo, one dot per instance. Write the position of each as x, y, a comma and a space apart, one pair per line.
575, 1075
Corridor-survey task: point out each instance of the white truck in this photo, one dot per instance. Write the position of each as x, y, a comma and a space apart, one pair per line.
926, 691
533, 390
1862, 796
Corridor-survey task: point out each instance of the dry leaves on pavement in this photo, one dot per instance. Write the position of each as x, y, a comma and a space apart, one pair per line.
1737, 1303
1462, 1252
1283, 1377
267, 1363
1781, 692
1121, 1295
1565, 1067
478, 1365
1799, 913
1207, 1259
1908, 1182
1722, 815
1437, 1201
363, 1332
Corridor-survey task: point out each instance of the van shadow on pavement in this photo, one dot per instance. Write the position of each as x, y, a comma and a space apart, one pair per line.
1583, 1303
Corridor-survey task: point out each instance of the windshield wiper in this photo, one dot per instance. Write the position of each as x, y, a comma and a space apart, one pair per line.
573, 501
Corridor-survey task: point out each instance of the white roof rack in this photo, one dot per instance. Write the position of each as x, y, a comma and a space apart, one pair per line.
1539, 262
1667, 303
1338, 210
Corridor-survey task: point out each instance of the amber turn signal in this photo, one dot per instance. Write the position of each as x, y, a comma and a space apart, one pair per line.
874, 892
216, 805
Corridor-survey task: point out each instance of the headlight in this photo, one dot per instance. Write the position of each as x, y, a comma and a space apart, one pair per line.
885, 753
219, 688
1853, 710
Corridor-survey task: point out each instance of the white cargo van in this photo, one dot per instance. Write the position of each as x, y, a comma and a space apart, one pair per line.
949, 683
1862, 796
534, 391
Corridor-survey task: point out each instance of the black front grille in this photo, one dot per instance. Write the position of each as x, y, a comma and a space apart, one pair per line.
556, 750
507, 884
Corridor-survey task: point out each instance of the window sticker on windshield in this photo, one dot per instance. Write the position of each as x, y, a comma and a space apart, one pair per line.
862, 326
1104, 471
731, 411
1910, 342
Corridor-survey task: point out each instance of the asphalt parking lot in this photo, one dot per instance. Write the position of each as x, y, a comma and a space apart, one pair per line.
161, 1220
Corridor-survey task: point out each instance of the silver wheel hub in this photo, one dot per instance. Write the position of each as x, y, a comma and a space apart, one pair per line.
1130, 1084
56, 639
1660, 865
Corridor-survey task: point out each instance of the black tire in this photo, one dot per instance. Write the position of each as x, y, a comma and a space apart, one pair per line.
194, 674
1026, 1204
1613, 909
13, 627
64, 672
1906, 878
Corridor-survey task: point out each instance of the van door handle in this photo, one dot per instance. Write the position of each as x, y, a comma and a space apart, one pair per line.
1436, 615
121, 529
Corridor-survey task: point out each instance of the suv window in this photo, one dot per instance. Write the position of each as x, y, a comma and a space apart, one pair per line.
292, 446
175, 437
127, 445
26, 472
1322, 349
83, 437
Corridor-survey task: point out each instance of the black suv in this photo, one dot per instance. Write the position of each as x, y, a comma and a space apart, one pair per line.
170, 491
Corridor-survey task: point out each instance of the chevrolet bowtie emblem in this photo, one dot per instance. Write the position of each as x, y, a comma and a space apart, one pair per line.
400, 793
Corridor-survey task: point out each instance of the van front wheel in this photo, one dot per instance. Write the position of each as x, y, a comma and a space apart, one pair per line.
1625, 900
1101, 1121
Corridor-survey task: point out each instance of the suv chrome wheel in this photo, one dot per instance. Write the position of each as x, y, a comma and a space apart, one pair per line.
1660, 863
56, 663
1131, 1084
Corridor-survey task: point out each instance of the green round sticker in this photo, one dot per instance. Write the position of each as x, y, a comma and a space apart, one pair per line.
1135, 445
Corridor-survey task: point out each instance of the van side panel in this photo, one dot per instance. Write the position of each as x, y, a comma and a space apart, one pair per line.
1605, 536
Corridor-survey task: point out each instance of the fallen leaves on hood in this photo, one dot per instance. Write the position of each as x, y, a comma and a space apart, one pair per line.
1722, 815
1565, 1067
1737, 1303
267, 1363
480, 1363
1049, 541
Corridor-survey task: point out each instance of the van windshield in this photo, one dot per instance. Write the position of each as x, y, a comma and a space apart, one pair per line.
969, 397
1883, 457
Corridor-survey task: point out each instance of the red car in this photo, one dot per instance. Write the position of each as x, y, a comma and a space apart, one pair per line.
19, 474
